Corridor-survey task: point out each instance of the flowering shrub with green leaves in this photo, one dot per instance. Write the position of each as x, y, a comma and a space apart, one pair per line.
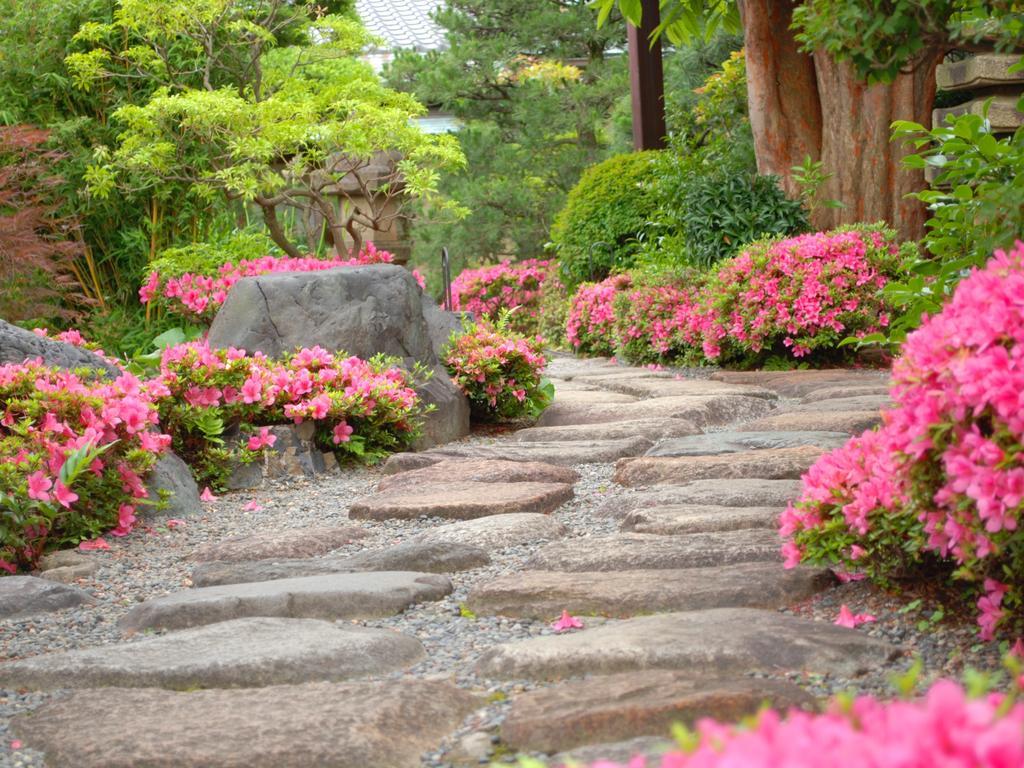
361, 408
590, 327
516, 288
942, 479
74, 448
657, 320
499, 370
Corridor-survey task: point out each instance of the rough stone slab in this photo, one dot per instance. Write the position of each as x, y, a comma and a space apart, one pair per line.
423, 557
409, 461
544, 595
769, 464
480, 471
858, 403
22, 596
564, 366
18, 345
615, 752
327, 725
67, 565
648, 703
592, 397
296, 542
241, 653
337, 596
680, 519
172, 475
564, 453
461, 501
720, 443
641, 551
836, 393
70, 573
497, 531
703, 411
850, 422
800, 383
658, 387
567, 385
722, 641
714, 493
651, 429
981, 71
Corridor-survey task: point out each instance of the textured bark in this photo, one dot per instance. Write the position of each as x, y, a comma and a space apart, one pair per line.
785, 113
857, 149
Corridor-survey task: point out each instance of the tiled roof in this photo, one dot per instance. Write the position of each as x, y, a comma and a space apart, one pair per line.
403, 23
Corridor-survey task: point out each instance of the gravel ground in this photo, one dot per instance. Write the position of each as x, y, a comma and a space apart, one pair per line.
156, 561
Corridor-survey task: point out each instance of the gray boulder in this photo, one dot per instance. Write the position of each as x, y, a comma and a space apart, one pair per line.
363, 311
22, 596
18, 345
172, 475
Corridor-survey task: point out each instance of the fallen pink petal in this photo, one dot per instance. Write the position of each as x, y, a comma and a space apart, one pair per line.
207, 494
566, 623
174, 522
95, 544
851, 620
253, 506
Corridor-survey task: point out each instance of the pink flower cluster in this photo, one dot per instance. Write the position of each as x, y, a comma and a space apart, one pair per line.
788, 297
199, 295
48, 416
944, 474
487, 291
590, 327
944, 728
363, 406
499, 371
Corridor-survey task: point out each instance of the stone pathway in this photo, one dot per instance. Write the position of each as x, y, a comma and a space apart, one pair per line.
643, 503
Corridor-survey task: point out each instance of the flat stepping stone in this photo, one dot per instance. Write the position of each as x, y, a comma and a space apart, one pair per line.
722, 443
616, 752
299, 542
717, 493
721, 641
651, 429
543, 595
423, 557
852, 390
681, 519
67, 565
241, 653
328, 725
850, 422
461, 501
497, 531
591, 396
480, 471
801, 382
23, 596
641, 551
648, 703
336, 596
568, 385
770, 464
706, 410
408, 461
565, 453
671, 387
862, 403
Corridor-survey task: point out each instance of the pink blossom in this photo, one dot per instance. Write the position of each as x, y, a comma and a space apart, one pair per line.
566, 622
64, 495
262, 440
849, 619
38, 485
341, 433
207, 495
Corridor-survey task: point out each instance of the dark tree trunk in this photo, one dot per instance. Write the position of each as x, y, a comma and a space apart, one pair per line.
785, 113
276, 231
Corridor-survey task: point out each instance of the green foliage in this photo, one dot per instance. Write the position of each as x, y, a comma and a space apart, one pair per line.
604, 217
977, 205
530, 124
264, 104
881, 39
205, 258
680, 20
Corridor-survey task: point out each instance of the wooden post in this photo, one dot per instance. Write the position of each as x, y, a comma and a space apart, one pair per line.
647, 81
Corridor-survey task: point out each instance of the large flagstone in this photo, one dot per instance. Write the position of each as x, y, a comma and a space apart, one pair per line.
768, 464
463, 500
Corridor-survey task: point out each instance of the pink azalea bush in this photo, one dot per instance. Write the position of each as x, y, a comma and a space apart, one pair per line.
796, 299
942, 480
943, 728
488, 291
74, 449
660, 319
590, 328
198, 296
500, 371
801, 295
362, 408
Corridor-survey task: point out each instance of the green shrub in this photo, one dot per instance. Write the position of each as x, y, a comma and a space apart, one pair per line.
612, 204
